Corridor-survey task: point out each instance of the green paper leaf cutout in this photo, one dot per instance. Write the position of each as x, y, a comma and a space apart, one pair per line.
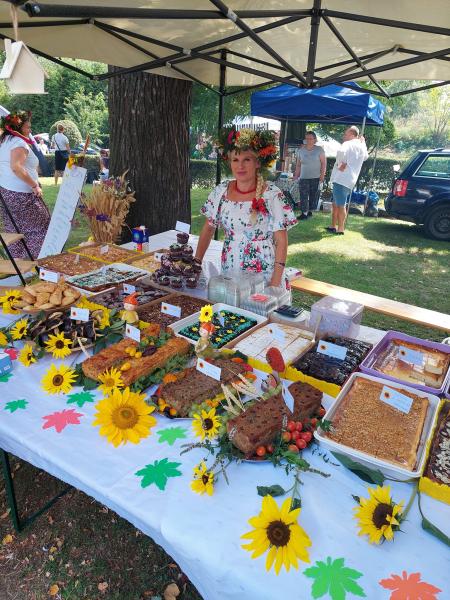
5, 378
369, 475
80, 398
158, 473
335, 579
171, 435
270, 490
15, 405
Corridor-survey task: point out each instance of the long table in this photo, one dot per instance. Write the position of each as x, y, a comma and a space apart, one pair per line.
202, 533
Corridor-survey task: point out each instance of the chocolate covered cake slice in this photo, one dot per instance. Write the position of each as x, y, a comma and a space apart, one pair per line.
307, 400
438, 467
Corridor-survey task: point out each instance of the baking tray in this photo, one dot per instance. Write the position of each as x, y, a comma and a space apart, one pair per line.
129, 255
260, 320
144, 287
387, 468
118, 266
367, 363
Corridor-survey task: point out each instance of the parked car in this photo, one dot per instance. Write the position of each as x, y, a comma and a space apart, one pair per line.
421, 193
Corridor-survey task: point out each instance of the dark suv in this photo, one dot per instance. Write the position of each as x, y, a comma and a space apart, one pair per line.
421, 193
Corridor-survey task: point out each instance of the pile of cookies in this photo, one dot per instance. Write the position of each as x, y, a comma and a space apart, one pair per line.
46, 296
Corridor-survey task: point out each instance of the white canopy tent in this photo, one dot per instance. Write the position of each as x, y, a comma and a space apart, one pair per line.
305, 42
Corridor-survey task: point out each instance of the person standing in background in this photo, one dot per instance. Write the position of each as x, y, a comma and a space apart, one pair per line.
310, 170
62, 151
349, 160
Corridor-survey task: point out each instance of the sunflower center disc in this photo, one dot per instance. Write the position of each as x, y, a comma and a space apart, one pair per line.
205, 478
110, 382
278, 533
207, 424
58, 380
125, 417
59, 344
380, 513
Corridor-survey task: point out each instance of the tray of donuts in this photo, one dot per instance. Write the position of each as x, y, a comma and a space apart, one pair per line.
46, 296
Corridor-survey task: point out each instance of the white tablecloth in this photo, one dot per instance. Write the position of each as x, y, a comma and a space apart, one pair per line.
203, 533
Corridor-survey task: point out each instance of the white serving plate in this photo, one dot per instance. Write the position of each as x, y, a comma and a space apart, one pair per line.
260, 320
387, 468
118, 266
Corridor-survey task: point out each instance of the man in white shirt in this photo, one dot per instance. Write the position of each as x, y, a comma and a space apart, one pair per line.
62, 151
349, 160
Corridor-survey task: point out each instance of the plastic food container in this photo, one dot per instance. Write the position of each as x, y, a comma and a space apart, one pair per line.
367, 365
388, 469
337, 317
261, 304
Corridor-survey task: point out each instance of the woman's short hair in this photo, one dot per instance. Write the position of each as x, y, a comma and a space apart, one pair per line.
313, 133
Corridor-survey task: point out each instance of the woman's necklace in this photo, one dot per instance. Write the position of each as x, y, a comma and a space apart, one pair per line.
246, 192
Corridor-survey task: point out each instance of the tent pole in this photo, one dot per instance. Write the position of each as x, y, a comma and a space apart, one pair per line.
222, 89
373, 169
363, 126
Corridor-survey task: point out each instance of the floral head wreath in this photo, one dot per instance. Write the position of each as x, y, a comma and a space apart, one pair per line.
15, 120
262, 143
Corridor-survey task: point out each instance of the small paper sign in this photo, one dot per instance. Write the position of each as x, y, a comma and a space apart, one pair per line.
221, 319
395, 399
415, 357
48, 275
287, 396
170, 309
333, 350
77, 259
79, 314
128, 289
157, 256
104, 249
208, 369
184, 227
133, 332
277, 333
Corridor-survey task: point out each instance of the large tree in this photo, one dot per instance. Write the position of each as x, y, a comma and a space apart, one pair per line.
149, 136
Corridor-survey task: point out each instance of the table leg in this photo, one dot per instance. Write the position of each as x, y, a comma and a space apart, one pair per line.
18, 523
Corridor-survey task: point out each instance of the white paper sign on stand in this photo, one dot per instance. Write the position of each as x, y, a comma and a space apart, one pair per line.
66, 203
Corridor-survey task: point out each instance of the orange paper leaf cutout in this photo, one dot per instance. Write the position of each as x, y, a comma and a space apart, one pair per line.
409, 587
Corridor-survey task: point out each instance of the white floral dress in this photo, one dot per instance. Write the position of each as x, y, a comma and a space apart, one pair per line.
248, 246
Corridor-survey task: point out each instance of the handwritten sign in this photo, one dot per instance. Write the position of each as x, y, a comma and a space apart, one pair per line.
170, 309
79, 314
48, 275
77, 259
333, 350
287, 396
157, 256
414, 357
66, 203
277, 333
128, 288
104, 249
133, 332
208, 369
396, 399
184, 227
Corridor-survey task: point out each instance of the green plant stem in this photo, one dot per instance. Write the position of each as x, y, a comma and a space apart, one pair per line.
411, 500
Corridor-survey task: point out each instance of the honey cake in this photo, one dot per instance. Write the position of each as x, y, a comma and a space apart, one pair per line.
68, 264
364, 422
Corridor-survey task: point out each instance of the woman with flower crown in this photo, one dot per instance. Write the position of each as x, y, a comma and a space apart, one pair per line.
19, 185
252, 212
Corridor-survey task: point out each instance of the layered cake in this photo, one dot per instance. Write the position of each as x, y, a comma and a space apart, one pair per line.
366, 423
188, 305
438, 467
193, 387
68, 264
307, 400
393, 361
233, 326
104, 278
107, 253
333, 370
258, 425
258, 342
114, 298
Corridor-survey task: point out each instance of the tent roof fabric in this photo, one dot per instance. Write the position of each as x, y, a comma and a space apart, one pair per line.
330, 104
376, 33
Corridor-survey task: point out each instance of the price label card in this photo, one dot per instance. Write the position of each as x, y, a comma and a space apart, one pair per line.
158, 256
104, 249
333, 350
287, 396
221, 320
395, 399
277, 333
208, 369
184, 227
414, 357
77, 259
49, 275
170, 309
128, 289
79, 314
133, 332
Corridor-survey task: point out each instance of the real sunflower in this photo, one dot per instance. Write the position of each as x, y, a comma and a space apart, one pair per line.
124, 417
206, 424
111, 379
26, 356
10, 297
3, 339
206, 313
58, 345
378, 516
19, 329
9, 308
203, 480
58, 380
276, 530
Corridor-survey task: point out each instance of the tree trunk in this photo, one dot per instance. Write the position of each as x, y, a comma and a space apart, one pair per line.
149, 136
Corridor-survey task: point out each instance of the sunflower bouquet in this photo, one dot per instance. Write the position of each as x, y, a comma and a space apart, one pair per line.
106, 208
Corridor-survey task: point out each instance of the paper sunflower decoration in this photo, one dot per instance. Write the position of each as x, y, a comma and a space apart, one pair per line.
58, 345
3, 339
378, 516
58, 380
277, 531
203, 480
19, 329
124, 417
206, 425
8, 301
111, 379
206, 313
26, 356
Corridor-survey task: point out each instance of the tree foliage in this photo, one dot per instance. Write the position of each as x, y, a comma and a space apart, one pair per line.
70, 130
90, 112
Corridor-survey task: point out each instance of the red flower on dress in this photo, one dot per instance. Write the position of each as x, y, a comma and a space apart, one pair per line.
259, 206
